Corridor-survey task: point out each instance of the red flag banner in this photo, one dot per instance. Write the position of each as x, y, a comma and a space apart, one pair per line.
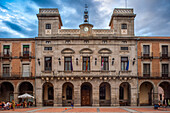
86, 64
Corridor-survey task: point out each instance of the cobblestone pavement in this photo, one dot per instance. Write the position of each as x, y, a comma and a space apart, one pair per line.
89, 110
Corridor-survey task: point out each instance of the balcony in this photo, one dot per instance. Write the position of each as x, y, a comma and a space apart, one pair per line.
154, 75
164, 56
6, 55
147, 55
16, 75
25, 55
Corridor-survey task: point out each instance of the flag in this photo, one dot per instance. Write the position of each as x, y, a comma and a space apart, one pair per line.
86, 64
71, 65
127, 67
102, 63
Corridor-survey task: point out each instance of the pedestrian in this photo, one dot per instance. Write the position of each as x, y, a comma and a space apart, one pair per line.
72, 104
13, 105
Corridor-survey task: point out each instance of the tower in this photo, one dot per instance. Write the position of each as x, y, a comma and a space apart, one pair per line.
49, 21
86, 28
122, 22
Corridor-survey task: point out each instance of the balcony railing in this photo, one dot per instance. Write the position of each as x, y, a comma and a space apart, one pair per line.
26, 54
164, 55
6, 55
16, 74
155, 74
147, 55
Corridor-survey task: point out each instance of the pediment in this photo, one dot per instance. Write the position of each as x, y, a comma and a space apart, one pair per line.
67, 51
104, 51
86, 51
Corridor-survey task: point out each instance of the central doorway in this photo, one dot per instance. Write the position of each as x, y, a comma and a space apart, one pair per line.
86, 94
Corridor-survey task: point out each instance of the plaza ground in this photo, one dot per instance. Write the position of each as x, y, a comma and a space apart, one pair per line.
143, 109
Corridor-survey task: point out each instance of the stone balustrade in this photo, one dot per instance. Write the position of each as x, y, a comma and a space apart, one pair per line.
103, 31
46, 10
68, 31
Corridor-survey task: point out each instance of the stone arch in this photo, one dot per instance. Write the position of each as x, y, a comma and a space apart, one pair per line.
146, 93
48, 94
125, 94
154, 86
67, 93
105, 94
6, 91
164, 91
20, 82
67, 51
104, 51
25, 87
85, 51
86, 94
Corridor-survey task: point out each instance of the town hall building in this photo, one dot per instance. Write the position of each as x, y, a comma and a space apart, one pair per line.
90, 67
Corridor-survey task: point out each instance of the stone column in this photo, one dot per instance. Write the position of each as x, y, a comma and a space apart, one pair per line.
77, 94
95, 93
114, 93
16, 97
134, 96
39, 93
58, 94
155, 95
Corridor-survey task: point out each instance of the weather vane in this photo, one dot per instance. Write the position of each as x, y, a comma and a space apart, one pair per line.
86, 17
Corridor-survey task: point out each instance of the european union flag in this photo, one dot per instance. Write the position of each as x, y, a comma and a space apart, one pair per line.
127, 67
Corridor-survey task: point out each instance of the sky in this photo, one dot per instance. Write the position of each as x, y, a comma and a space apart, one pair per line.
18, 17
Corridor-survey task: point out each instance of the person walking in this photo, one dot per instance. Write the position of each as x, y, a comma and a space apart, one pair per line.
72, 104
13, 105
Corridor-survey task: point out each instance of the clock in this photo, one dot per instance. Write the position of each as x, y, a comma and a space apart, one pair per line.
86, 29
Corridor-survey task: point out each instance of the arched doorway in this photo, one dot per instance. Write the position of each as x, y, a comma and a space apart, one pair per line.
124, 94
86, 94
146, 94
48, 94
67, 93
26, 87
104, 94
6, 92
164, 92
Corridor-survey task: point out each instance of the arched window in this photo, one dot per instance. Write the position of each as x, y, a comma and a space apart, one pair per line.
124, 26
103, 92
69, 93
48, 26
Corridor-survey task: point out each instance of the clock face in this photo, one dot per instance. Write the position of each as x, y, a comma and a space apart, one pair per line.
86, 29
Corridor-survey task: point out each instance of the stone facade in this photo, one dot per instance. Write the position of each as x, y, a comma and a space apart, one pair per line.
95, 44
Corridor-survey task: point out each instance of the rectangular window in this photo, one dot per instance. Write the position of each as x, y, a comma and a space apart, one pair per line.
48, 26
165, 68
67, 63
104, 63
86, 63
124, 26
25, 70
164, 51
48, 63
25, 50
146, 70
6, 70
6, 50
47, 48
124, 48
124, 62
146, 50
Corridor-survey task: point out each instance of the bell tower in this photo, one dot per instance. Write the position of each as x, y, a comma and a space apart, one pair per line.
49, 21
122, 22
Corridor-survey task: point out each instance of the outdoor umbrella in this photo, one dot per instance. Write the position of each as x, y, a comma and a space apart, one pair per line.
26, 95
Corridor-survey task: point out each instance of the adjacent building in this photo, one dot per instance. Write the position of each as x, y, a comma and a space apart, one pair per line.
17, 68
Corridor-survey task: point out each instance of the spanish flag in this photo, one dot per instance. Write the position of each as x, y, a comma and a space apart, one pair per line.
86, 64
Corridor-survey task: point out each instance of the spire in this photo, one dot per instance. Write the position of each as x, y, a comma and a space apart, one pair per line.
86, 17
